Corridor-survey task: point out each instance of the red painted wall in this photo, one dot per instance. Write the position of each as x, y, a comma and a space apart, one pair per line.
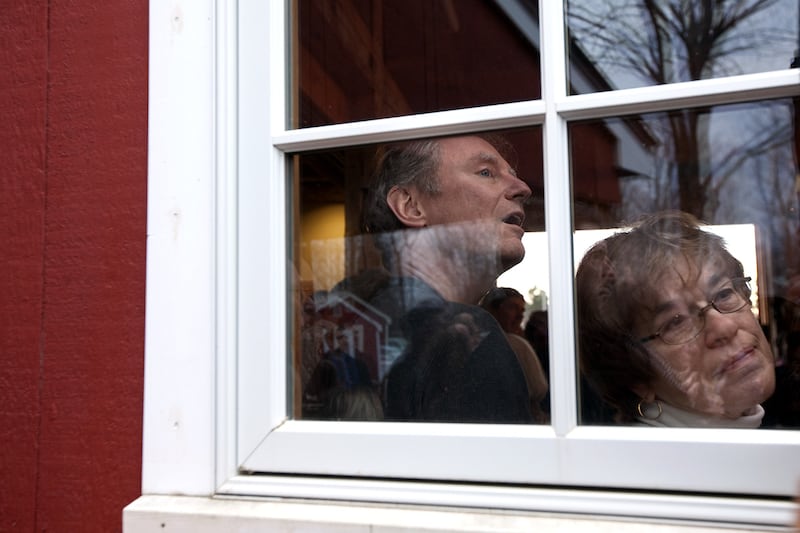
73, 148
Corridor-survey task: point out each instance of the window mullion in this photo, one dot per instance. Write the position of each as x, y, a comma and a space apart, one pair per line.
558, 215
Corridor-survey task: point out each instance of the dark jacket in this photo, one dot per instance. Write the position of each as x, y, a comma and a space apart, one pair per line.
457, 365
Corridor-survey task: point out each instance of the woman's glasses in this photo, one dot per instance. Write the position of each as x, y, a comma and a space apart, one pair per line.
682, 328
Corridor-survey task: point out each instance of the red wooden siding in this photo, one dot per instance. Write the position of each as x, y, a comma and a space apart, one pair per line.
73, 143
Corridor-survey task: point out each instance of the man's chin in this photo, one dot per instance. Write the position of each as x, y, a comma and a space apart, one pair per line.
512, 258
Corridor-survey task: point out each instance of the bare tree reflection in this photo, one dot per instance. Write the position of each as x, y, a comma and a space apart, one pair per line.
668, 41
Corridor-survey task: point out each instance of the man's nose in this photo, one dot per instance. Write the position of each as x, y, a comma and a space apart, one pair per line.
517, 189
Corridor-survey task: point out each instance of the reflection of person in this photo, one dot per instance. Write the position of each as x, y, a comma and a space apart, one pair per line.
536, 333
667, 335
447, 214
339, 372
507, 306
783, 408
317, 334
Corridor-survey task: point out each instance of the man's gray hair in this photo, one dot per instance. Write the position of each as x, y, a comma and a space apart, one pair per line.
411, 163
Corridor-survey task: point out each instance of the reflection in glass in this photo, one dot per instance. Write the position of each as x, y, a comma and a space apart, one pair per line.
366, 59
387, 325
619, 44
730, 166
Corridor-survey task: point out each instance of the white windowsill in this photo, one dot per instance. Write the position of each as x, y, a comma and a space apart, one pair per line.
204, 515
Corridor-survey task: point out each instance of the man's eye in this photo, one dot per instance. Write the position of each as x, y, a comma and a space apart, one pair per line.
485, 172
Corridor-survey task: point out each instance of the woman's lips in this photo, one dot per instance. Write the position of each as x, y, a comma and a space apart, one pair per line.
738, 361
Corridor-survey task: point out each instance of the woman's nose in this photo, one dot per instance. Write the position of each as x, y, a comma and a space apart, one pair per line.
720, 327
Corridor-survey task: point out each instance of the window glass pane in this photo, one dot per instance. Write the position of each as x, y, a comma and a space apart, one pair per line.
619, 44
366, 59
669, 333
401, 322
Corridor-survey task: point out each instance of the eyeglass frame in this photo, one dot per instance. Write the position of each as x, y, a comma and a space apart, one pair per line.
701, 314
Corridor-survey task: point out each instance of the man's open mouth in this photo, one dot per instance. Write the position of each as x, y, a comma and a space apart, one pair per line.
516, 219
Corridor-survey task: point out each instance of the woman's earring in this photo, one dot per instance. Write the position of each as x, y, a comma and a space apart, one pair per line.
646, 410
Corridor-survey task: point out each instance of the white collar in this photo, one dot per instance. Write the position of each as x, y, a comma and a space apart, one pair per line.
672, 416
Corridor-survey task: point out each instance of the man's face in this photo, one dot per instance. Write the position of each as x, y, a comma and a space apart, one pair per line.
477, 184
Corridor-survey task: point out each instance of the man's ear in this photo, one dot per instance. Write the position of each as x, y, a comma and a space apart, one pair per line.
404, 203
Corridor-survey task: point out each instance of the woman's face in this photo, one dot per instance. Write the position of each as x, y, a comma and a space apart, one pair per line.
727, 369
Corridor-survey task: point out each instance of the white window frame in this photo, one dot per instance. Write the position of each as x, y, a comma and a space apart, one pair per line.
216, 326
